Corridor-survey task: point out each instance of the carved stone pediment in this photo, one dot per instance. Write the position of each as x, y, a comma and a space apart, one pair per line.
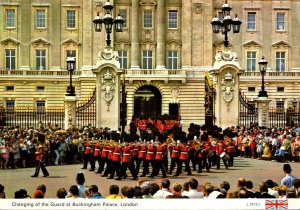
281, 43
148, 2
70, 41
40, 41
225, 55
10, 40
252, 43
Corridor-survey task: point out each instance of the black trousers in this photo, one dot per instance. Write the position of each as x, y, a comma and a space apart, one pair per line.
159, 165
40, 165
115, 168
174, 162
202, 162
146, 166
231, 159
124, 167
138, 165
218, 158
103, 161
187, 167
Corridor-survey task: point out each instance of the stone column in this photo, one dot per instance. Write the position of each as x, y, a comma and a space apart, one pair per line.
161, 47
263, 111
70, 111
135, 45
186, 34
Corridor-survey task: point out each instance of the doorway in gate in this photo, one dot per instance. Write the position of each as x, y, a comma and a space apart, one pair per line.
147, 102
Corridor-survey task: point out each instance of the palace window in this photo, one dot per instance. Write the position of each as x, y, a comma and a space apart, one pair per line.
72, 54
251, 89
123, 58
10, 18
251, 21
40, 88
147, 59
172, 59
148, 19
280, 104
10, 104
40, 105
173, 15
40, 18
280, 61
280, 26
40, 59
251, 61
10, 59
71, 19
10, 88
123, 14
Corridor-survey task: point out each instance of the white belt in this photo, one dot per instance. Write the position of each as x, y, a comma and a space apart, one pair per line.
88, 147
105, 150
126, 154
142, 151
97, 149
159, 152
231, 147
175, 151
135, 149
184, 153
150, 152
117, 153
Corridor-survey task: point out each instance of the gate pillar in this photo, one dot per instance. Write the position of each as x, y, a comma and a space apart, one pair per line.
263, 111
108, 72
70, 112
226, 72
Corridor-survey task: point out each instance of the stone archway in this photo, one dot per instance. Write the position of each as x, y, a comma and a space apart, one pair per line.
147, 102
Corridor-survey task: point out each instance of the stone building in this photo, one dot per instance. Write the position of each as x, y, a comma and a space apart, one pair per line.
166, 48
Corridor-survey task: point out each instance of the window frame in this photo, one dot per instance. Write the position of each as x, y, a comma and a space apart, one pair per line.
122, 58
13, 102
40, 88
148, 59
10, 57
75, 19
284, 21
172, 21
279, 104
255, 62
255, 21
7, 26
172, 57
41, 57
125, 24
280, 58
144, 18
44, 20
9, 88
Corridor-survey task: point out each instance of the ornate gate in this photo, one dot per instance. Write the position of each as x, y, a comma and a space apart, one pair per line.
248, 112
209, 100
86, 112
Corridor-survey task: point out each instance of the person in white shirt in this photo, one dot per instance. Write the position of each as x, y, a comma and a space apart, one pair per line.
193, 192
164, 191
185, 189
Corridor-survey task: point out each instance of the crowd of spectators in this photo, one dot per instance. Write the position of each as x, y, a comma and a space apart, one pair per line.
288, 188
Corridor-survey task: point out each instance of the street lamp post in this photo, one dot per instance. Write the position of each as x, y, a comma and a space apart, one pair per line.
108, 21
263, 68
294, 102
224, 25
70, 67
123, 106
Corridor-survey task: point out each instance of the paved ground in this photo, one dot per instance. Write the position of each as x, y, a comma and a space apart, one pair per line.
64, 176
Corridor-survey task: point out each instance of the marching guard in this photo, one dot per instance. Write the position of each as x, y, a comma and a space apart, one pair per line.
127, 163
40, 158
183, 158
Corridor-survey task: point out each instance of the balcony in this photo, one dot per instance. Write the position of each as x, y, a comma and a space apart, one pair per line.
149, 75
37, 73
286, 76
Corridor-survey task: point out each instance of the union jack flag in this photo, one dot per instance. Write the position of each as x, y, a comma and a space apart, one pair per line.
274, 204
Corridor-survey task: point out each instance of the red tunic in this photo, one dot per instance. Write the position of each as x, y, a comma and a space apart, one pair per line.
150, 152
116, 156
97, 150
142, 152
104, 153
175, 151
87, 149
184, 153
159, 152
38, 153
230, 148
126, 154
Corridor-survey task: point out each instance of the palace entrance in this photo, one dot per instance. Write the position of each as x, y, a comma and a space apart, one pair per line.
147, 102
